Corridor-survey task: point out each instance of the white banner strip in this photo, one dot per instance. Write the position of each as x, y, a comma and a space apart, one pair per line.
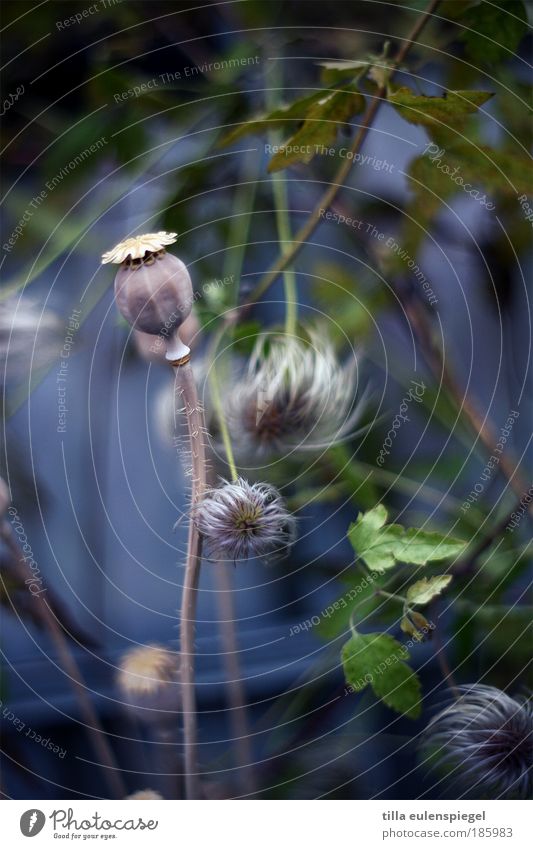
266, 824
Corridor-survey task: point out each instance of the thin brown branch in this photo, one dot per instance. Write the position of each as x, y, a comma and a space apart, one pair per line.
51, 625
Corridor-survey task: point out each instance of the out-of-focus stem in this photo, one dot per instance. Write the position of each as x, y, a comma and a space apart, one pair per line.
90, 718
235, 690
281, 204
195, 423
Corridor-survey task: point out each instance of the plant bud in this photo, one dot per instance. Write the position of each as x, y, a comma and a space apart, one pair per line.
153, 289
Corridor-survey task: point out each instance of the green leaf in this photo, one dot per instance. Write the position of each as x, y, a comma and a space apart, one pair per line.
278, 118
378, 660
437, 113
494, 31
382, 546
501, 172
337, 71
320, 127
427, 588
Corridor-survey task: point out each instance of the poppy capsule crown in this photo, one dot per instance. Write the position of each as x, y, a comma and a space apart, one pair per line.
153, 289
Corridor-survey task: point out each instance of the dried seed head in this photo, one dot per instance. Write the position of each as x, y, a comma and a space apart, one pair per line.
145, 794
137, 246
487, 737
294, 395
241, 520
148, 680
153, 289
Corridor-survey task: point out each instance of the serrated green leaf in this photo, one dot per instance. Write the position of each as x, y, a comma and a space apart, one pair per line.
437, 113
382, 546
492, 32
320, 127
424, 590
278, 118
379, 660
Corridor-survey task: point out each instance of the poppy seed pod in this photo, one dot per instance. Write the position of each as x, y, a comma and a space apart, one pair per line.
153, 289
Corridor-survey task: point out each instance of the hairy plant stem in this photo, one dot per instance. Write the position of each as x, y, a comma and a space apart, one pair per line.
49, 622
195, 423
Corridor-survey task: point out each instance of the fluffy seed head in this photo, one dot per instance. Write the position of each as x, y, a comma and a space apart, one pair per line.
148, 680
487, 736
294, 395
145, 794
241, 520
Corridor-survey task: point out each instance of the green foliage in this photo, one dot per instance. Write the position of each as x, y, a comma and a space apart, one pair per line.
437, 113
321, 113
382, 546
379, 660
493, 30
426, 589
502, 172
337, 71
273, 120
